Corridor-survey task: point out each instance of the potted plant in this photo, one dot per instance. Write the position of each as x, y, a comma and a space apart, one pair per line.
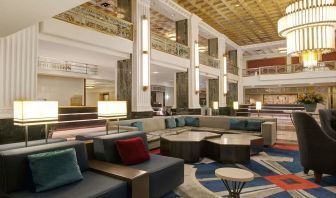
310, 100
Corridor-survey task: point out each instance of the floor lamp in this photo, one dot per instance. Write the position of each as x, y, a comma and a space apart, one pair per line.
29, 113
109, 110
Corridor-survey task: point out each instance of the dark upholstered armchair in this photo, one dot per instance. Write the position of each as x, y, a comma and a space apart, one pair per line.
327, 116
317, 149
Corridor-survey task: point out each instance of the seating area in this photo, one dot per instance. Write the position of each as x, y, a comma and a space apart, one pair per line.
168, 99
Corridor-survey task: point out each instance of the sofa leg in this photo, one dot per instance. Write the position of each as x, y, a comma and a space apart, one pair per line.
305, 170
318, 177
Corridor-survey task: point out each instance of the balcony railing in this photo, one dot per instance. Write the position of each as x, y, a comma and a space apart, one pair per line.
287, 69
207, 60
67, 66
168, 46
90, 17
233, 70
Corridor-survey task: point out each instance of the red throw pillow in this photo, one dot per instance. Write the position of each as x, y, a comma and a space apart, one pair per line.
132, 151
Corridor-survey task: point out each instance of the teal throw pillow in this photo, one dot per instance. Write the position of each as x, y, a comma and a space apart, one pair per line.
53, 169
180, 122
254, 125
170, 123
237, 124
191, 121
139, 125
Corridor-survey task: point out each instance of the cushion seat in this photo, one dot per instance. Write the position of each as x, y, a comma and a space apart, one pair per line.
5, 147
104, 187
91, 135
165, 173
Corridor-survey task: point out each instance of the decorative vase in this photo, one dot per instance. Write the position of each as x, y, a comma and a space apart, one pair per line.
310, 107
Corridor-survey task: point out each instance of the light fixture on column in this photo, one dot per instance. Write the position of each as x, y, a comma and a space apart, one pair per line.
235, 105
109, 110
145, 53
309, 27
197, 72
258, 106
225, 75
28, 113
215, 107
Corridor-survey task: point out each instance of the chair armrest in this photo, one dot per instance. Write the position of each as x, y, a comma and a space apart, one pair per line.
137, 179
269, 133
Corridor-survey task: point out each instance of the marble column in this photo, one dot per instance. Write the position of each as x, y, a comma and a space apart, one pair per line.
181, 93
141, 98
182, 31
124, 82
193, 96
213, 91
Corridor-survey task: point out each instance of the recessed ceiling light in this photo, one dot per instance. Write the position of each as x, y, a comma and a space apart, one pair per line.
156, 72
237, 5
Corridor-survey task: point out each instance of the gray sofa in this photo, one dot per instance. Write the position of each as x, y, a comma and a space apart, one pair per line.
5, 147
155, 127
165, 173
16, 181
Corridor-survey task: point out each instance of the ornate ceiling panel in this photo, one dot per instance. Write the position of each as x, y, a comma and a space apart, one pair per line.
243, 21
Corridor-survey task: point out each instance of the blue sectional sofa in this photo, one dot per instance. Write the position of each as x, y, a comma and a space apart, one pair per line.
165, 173
16, 180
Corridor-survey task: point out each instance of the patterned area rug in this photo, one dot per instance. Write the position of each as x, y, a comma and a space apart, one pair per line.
278, 173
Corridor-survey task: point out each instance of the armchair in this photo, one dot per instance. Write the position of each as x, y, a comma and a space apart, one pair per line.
317, 149
326, 117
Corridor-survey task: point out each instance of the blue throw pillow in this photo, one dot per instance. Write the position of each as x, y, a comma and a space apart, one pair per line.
53, 169
254, 125
180, 122
191, 121
237, 124
139, 125
170, 123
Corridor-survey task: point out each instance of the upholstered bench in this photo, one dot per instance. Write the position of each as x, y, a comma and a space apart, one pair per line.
165, 173
5, 147
16, 180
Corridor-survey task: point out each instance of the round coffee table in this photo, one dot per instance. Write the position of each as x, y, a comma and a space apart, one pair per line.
238, 178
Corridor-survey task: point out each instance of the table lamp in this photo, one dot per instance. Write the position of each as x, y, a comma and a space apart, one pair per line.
28, 113
258, 106
235, 105
112, 110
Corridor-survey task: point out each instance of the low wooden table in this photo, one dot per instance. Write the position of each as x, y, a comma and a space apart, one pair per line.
186, 145
237, 177
233, 148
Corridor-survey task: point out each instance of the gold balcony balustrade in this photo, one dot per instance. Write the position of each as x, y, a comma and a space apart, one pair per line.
93, 18
67, 66
210, 61
233, 70
287, 69
169, 46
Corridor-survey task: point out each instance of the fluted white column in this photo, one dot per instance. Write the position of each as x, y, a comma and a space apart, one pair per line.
141, 99
221, 52
241, 65
18, 68
193, 36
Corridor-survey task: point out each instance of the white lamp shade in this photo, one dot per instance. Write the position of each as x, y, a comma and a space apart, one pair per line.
197, 79
215, 105
112, 109
235, 105
35, 112
258, 105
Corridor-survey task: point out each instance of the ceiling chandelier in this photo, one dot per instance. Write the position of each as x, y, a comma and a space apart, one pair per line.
309, 27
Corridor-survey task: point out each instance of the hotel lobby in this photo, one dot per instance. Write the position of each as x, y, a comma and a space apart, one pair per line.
167, 98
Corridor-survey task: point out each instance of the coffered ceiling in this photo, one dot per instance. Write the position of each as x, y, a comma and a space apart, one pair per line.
243, 21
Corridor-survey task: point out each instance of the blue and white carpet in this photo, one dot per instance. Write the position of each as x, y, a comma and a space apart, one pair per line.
278, 173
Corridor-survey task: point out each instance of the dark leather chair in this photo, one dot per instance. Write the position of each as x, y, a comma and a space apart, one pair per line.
317, 149
326, 118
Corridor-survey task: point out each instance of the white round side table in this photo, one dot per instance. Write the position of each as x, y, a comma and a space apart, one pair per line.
237, 177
